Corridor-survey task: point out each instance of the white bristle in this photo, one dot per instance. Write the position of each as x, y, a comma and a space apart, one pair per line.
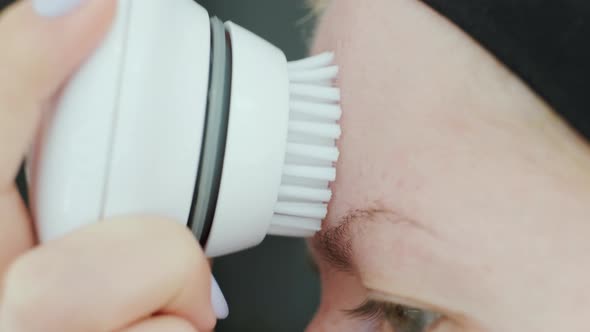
307, 210
304, 182
294, 226
305, 193
310, 172
311, 147
314, 75
327, 130
291, 231
287, 221
321, 111
326, 153
323, 93
320, 60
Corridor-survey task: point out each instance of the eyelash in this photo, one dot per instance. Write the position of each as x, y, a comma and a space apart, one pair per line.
399, 317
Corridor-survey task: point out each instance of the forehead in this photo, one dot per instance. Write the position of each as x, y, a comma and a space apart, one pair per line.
424, 116
405, 94
371, 100
409, 83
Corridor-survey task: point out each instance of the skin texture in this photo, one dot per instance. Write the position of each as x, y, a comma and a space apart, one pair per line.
477, 193
468, 195
128, 275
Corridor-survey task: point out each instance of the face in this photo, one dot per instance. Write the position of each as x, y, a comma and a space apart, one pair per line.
446, 157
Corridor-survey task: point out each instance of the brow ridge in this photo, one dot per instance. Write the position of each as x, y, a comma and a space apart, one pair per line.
334, 245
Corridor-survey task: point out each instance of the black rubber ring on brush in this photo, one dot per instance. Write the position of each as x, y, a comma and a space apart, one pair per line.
214, 135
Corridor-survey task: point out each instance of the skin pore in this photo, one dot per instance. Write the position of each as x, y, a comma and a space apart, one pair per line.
459, 191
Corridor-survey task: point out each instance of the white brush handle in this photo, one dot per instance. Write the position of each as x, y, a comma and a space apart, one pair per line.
125, 136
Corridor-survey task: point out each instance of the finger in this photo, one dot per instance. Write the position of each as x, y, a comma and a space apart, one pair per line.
16, 233
161, 324
38, 54
107, 276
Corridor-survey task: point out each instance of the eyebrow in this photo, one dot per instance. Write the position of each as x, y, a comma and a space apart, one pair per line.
334, 245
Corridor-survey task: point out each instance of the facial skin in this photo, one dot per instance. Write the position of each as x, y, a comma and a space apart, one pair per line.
459, 191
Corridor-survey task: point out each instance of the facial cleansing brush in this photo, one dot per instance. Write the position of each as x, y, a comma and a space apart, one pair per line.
182, 116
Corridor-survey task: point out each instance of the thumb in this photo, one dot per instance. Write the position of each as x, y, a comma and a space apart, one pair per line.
43, 42
48, 39
38, 52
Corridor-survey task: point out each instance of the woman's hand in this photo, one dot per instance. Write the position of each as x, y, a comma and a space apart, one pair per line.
120, 275
124, 275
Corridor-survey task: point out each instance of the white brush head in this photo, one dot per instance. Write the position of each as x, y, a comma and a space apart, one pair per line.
180, 116
311, 147
281, 146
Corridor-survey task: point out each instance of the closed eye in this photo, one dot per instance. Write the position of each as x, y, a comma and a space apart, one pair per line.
399, 318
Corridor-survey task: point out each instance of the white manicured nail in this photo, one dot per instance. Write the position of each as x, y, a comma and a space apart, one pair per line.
54, 8
218, 300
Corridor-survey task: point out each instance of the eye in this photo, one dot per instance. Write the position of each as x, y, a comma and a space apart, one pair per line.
397, 317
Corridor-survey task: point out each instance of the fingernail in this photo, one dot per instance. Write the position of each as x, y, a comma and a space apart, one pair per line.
54, 8
218, 301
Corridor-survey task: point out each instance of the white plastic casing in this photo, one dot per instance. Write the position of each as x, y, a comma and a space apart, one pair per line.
256, 144
126, 134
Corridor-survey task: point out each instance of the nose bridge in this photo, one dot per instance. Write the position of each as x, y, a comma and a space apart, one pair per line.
312, 327
316, 324
333, 322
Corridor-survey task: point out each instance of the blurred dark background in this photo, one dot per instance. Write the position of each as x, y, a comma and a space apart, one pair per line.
272, 287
